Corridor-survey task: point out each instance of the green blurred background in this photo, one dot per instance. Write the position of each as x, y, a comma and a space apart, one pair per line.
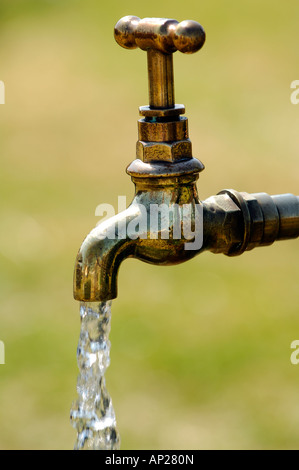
200, 353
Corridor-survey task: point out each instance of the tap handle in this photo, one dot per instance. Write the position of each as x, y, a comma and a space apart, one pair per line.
164, 35
160, 37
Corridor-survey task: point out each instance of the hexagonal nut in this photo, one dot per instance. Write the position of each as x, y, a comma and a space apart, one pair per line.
163, 151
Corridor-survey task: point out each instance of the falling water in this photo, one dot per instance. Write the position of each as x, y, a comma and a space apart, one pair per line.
92, 414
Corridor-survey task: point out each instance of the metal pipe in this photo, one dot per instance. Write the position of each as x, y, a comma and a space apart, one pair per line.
160, 79
235, 222
288, 210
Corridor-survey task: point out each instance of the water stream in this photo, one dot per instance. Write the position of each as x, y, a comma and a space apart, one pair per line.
92, 414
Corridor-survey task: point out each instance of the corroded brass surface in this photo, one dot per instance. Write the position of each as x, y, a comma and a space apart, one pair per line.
159, 131
99, 257
149, 112
164, 169
163, 151
163, 134
165, 173
162, 34
232, 223
160, 79
160, 37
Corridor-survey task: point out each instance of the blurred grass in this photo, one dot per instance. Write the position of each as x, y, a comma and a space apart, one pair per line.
200, 352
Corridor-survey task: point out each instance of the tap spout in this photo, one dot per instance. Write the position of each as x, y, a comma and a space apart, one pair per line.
100, 255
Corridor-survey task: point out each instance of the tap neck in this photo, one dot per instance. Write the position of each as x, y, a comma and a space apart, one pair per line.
177, 190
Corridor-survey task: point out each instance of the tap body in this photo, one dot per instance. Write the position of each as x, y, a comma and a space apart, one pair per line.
228, 223
151, 229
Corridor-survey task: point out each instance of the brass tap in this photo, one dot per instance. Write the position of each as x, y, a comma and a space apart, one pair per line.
165, 175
